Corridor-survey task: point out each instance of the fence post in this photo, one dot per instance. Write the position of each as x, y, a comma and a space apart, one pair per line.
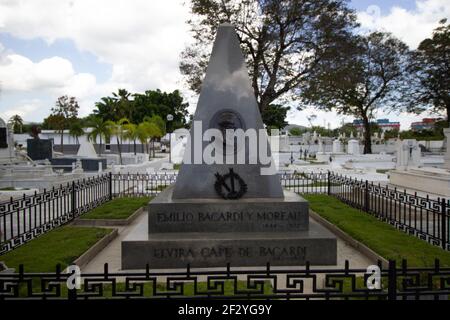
444, 224
366, 197
74, 200
328, 183
72, 294
110, 186
392, 280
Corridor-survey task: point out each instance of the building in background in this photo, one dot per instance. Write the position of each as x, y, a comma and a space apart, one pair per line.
425, 124
384, 124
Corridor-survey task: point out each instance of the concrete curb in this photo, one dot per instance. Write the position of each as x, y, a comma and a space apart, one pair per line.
365, 250
86, 257
108, 222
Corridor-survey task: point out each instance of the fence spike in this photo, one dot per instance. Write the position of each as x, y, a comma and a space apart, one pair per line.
105, 270
436, 265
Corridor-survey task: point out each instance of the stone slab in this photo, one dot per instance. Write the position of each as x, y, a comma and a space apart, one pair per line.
40, 149
176, 250
88, 164
286, 214
428, 182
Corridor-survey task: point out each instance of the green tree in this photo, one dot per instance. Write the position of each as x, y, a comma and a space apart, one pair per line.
123, 106
100, 129
156, 102
275, 116
148, 130
430, 65
295, 132
159, 132
76, 130
282, 40
65, 111
16, 122
363, 75
130, 133
106, 109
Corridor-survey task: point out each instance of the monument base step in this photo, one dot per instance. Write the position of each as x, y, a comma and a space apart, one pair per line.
175, 250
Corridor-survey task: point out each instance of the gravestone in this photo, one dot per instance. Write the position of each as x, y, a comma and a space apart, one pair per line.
408, 154
226, 213
40, 149
353, 147
7, 153
337, 146
321, 149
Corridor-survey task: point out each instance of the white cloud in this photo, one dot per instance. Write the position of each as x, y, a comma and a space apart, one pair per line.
21, 74
142, 40
23, 109
411, 26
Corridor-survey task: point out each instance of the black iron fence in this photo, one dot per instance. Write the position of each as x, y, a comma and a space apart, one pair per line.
425, 217
22, 219
308, 283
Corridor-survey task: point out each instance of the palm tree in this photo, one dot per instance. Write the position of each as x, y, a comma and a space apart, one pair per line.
16, 122
130, 133
124, 107
158, 129
142, 134
76, 130
117, 129
147, 130
106, 109
100, 129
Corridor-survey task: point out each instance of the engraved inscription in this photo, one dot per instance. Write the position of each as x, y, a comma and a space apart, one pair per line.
236, 216
268, 252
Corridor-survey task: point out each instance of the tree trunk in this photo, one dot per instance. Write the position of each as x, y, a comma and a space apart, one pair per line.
134, 146
448, 114
62, 140
367, 136
263, 105
153, 148
119, 149
100, 153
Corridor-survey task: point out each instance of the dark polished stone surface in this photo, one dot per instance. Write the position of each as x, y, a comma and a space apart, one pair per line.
40, 149
175, 250
244, 215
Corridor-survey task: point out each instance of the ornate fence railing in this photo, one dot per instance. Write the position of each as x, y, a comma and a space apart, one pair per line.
22, 219
309, 283
424, 217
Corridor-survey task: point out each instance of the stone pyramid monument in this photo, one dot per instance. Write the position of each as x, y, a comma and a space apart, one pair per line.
219, 213
226, 98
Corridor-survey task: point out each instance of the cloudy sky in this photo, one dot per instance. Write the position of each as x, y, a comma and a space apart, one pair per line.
90, 48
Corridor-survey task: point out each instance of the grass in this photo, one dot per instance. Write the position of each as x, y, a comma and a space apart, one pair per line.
383, 170
381, 237
119, 208
176, 166
156, 188
62, 245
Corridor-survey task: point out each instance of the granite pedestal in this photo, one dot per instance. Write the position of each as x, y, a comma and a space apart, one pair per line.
212, 233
